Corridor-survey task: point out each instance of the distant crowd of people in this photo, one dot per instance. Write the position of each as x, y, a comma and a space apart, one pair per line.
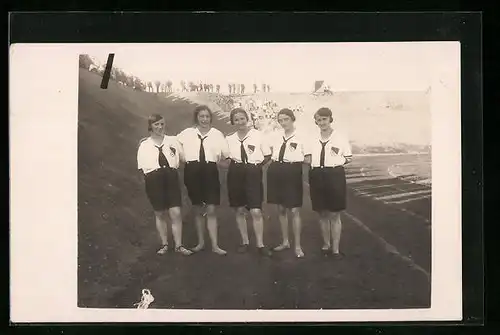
232, 88
263, 113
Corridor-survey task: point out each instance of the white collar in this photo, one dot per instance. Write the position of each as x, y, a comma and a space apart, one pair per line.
200, 134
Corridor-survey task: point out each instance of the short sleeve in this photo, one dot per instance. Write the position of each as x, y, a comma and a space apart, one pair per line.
140, 157
224, 145
181, 137
306, 146
265, 146
179, 148
268, 140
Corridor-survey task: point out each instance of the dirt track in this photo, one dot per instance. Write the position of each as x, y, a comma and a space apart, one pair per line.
387, 244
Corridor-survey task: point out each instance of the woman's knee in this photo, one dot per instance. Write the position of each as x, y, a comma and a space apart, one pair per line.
175, 213
324, 215
256, 213
295, 212
210, 210
240, 211
281, 210
334, 217
161, 215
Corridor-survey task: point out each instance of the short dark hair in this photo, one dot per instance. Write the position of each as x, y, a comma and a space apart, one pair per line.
324, 111
197, 111
236, 111
153, 118
288, 112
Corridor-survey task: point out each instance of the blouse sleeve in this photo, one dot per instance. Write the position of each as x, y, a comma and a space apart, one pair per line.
346, 149
140, 157
224, 146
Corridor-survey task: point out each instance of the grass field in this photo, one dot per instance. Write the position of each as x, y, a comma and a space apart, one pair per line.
387, 241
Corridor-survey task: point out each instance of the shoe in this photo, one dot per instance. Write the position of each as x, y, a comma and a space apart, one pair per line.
326, 251
338, 255
299, 253
243, 248
282, 247
186, 252
219, 251
163, 250
198, 248
263, 251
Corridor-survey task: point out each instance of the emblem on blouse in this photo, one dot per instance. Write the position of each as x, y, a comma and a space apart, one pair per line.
293, 146
251, 148
172, 151
334, 151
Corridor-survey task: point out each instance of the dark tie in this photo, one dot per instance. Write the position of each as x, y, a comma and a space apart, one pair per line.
244, 157
322, 155
202, 149
282, 149
162, 160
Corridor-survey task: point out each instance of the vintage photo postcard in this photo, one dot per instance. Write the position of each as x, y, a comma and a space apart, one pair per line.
241, 182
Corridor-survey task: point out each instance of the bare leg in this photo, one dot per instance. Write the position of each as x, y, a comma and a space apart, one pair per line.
242, 225
176, 219
258, 226
200, 228
324, 222
297, 228
336, 228
161, 226
285, 244
212, 229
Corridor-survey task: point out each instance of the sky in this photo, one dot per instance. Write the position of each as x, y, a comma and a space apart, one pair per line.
290, 67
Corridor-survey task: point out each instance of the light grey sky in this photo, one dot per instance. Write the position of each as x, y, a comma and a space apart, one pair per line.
285, 66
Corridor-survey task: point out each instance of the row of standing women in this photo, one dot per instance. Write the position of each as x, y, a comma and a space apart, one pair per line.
202, 147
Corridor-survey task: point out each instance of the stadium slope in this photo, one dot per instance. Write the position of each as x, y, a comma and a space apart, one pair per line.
377, 122
110, 124
386, 235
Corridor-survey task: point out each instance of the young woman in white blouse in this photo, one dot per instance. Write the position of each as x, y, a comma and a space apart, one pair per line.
330, 152
203, 147
158, 159
284, 177
248, 152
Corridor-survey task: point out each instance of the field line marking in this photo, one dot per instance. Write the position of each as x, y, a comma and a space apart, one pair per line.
402, 194
391, 154
387, 246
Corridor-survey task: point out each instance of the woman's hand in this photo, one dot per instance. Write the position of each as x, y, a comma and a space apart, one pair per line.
224, 163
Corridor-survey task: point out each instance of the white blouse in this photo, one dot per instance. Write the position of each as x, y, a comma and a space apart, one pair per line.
215, 144
297, 146
254, 144
337, 149
147, 154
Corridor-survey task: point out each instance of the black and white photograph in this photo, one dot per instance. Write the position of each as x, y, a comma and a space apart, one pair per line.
264, 177
251, 177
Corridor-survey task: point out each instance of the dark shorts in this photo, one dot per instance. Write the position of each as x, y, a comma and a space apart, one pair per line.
284, 184
202, 183
328, 189
244, 185
163, 189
